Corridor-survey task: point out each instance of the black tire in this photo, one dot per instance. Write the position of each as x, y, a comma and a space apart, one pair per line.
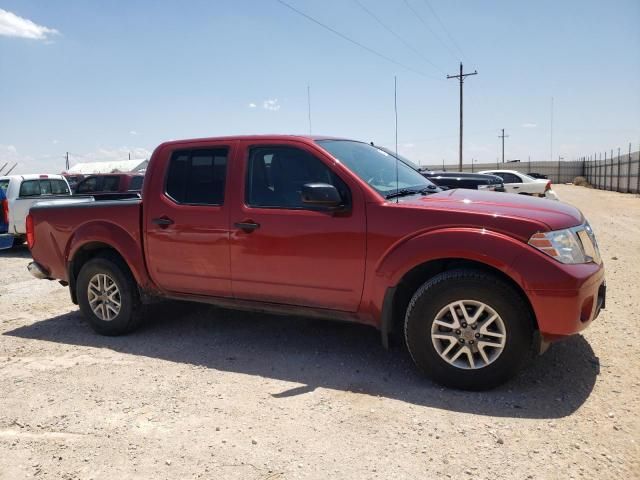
131, 312
473, 285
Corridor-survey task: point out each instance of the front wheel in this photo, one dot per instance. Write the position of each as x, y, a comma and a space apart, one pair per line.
108, 296
468, 329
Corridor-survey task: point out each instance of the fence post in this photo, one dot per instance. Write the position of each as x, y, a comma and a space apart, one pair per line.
605, 162
611, 172
638, 173
629, 170
618, 182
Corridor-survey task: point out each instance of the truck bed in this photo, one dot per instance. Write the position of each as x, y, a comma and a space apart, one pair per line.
58, 225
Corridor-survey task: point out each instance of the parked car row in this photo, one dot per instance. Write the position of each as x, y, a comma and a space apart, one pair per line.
472, 281
21, 192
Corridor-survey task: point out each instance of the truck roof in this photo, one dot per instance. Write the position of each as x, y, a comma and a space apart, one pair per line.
284, 137
32, 176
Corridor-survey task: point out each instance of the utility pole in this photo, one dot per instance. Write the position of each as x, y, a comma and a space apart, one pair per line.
503, 137
67, 162
461, 78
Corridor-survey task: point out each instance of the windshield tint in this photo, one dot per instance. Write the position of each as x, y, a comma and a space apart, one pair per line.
375, 166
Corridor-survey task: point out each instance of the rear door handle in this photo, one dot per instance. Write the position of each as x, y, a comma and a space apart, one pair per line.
247, 226
163, 221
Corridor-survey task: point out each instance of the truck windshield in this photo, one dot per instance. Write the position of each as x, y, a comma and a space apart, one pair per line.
377, 167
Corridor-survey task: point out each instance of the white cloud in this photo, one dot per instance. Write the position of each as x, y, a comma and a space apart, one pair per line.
133, 132
529, 125
9, 155
271, 104
55, 142
252, 105
11, 25
408, 145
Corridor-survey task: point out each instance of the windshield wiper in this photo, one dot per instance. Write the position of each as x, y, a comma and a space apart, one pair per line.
402, 193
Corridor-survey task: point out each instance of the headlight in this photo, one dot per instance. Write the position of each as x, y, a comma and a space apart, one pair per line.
572, 245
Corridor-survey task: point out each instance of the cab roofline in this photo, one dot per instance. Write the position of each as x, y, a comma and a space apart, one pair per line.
230, 138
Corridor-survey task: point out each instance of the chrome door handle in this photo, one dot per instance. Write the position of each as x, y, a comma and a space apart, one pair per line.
163, 222
247, 226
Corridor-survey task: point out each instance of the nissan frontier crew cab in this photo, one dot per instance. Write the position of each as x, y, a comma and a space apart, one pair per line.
474, 282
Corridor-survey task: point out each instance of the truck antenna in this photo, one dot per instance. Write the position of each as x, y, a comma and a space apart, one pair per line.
395, 109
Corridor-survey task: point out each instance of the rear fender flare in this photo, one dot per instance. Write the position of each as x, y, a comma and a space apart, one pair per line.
112, 236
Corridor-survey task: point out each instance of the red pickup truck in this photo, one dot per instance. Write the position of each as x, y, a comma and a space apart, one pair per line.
475, 282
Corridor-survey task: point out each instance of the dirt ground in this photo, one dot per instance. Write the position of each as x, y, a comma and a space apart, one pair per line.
200, 392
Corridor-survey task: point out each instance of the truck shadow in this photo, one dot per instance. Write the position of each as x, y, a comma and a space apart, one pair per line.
330, 355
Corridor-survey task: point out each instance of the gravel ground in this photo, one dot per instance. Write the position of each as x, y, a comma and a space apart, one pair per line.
200, 392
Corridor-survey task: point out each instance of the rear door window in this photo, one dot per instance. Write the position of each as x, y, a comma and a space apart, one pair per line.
510, 178
197, 177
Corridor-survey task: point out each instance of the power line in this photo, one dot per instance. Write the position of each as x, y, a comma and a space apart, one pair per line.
433, 12
402, 40
424, 22
350, 40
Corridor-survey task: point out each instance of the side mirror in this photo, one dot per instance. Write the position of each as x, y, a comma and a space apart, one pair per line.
321, 195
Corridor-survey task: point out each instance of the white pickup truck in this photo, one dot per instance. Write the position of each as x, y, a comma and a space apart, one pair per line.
23, 191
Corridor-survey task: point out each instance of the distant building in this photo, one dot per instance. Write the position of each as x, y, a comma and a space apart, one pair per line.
109, 167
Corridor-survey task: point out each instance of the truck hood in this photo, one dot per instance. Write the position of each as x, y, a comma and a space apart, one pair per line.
556, 215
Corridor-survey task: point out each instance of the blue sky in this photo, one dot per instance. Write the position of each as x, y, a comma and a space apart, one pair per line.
114, 77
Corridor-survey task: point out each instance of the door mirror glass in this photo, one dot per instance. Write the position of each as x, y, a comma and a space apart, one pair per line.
320, 195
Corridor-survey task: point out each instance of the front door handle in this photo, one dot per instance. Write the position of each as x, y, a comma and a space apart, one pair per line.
163, 222
247, 226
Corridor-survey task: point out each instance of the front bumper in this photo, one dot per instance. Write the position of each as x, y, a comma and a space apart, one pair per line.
565, 312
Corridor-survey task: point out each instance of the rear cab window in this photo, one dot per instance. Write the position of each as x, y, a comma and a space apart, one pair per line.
197, 176
111, 183
88, 185
30, 188
136, 183
36, 188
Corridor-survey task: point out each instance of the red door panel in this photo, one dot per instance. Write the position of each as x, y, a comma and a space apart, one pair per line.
187, 245
295, 256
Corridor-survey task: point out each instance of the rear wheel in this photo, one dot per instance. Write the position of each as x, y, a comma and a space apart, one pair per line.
469, 329
108, 296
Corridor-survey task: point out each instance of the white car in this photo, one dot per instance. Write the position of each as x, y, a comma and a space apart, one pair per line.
22, 191
516, 182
